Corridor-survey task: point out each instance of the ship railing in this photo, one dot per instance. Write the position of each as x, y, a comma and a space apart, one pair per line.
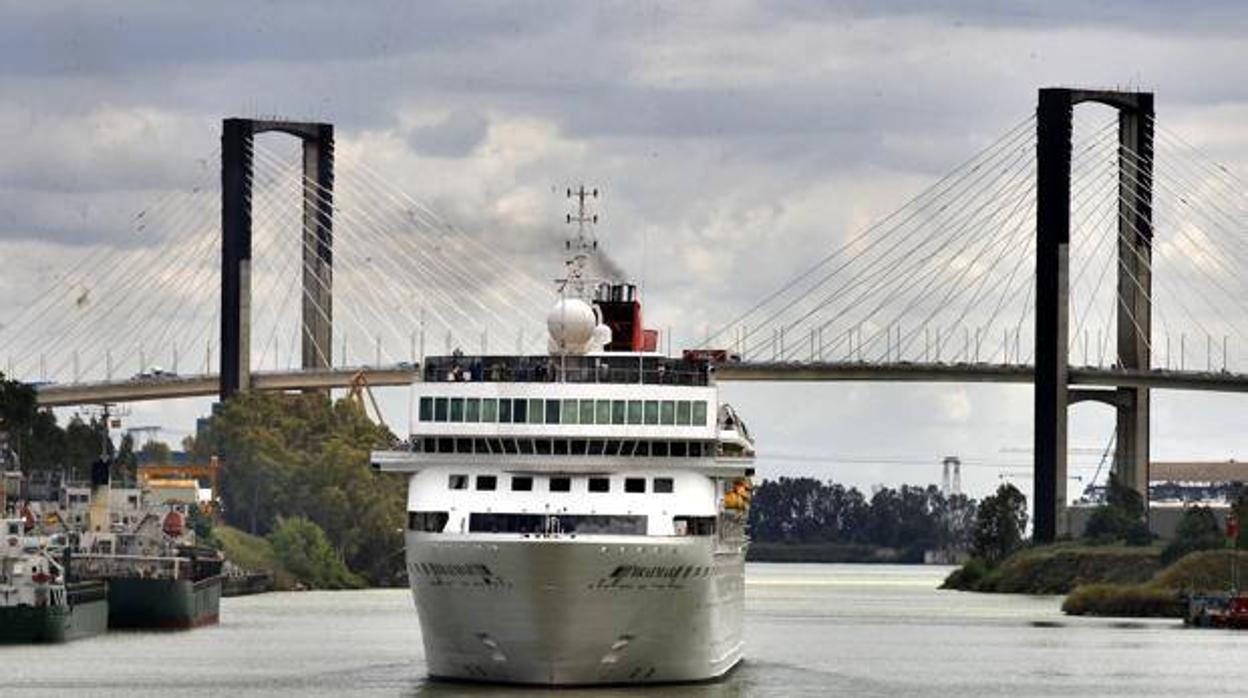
86, 566
649, 370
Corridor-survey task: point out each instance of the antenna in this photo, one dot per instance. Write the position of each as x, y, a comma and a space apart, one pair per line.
584, 245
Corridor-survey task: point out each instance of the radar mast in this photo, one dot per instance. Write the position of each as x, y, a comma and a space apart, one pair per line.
582, 247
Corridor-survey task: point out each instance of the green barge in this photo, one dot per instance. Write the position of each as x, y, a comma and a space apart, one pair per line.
164, 603
150, 592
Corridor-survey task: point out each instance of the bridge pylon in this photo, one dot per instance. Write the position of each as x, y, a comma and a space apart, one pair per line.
237, 137
1134, 313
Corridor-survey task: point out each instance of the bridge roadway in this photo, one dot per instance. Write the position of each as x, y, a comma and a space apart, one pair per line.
903, 372
138, 390
135, 390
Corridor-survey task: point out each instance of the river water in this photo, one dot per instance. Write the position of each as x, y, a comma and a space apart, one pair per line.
813, 630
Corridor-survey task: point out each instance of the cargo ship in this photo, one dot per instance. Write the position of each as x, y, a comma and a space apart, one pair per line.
577, 517
157, 576
37, 603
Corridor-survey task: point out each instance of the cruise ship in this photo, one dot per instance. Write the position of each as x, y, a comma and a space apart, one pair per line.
577, 517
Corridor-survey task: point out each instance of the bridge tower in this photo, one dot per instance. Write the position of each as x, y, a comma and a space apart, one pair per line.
1134, 315
318, 185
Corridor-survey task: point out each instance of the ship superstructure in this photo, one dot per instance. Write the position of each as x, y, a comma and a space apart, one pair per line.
577, 517
37, 601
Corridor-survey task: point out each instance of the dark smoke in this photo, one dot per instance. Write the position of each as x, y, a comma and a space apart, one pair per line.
609, 270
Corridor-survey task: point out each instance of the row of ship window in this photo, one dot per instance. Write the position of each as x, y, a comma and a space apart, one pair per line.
636, 448
546, 524
563, 483
567, 411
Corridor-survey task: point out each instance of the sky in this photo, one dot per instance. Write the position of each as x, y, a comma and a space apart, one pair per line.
732, 141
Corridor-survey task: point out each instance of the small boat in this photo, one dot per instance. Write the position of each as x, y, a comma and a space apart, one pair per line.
1219, 611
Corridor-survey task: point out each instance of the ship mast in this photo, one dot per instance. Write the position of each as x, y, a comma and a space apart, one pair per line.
581, 247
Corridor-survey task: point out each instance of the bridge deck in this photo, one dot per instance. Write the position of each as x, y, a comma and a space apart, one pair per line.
52, 395
979, 373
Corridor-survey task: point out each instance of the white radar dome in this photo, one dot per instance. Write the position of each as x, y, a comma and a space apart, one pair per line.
571, 323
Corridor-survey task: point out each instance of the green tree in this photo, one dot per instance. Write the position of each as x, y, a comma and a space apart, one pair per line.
33, 433
999, 524
1198, 529
305, 551
85, 442
156, 452
126, 463
1120, 518
291, 455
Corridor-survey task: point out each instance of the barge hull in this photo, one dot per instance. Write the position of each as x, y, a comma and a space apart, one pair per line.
163, 603
51, 624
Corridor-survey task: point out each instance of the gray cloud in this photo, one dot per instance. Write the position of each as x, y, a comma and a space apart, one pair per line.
734, 141
455, 136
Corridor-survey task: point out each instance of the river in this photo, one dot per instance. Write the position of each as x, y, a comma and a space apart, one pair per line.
813, 630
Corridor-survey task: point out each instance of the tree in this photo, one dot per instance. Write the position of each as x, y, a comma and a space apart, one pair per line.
999, 524
300, 455
911, 519
1198, 529
84, 443
126, 463
1121, 517
156, 452
305, 551
33, 434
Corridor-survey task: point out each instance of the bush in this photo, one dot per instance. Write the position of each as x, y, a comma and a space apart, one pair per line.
968, 577
304, 550
1057, 569
1133, 600
1205, 570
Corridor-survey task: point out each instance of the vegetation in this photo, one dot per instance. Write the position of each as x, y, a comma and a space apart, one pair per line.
302, 457
1198, 529
1002, 562
156, 452
254, 553
1121, 518
1124, 600
827, 552
1056, 569
39, 442
997, 532
1162, 595
999, 525
804, 519
305, 551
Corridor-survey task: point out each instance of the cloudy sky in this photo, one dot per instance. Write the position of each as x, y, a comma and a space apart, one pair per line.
732, 140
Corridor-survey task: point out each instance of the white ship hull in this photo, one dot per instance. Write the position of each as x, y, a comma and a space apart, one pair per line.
575, 610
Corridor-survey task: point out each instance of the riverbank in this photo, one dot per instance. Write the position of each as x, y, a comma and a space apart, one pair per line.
830, 553
254, 555
1059, 569
1106, 581
1161, 596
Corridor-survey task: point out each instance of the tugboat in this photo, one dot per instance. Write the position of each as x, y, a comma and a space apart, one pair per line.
37, 603
157, 576
577, 517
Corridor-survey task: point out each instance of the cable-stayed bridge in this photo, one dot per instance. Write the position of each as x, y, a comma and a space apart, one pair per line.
1090, 252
